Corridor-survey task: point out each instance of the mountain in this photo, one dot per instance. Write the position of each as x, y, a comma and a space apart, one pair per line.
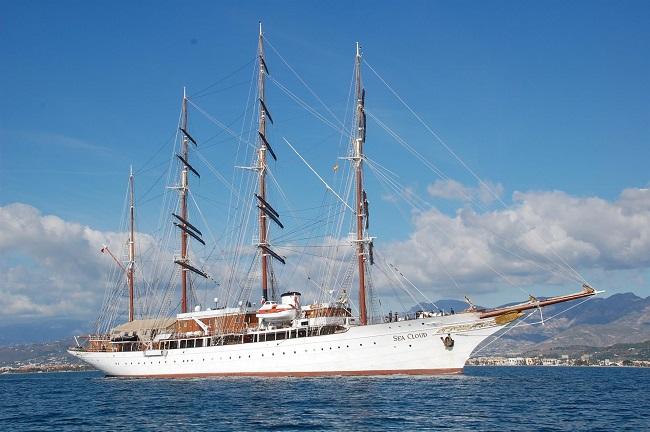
598, 322
445, 305
38, 354
43, 331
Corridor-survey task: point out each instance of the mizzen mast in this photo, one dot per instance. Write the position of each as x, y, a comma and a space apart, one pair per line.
361, 202
130, 274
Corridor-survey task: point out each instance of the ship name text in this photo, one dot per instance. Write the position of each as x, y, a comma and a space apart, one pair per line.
409, 336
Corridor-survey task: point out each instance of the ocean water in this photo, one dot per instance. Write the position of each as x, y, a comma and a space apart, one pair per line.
483, 399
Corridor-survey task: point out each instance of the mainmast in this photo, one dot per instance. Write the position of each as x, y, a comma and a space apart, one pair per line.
361, 203
130, 274
265, 209
186, 228
184, 188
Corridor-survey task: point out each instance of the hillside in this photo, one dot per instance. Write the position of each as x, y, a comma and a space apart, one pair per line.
599, 322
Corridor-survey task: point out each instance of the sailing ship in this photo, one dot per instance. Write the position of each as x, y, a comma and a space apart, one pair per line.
282, 336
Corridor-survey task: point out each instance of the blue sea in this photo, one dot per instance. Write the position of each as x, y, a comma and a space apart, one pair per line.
483, 399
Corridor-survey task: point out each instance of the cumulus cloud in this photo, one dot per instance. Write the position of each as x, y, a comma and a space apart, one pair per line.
486, 192
50, 267
529, 242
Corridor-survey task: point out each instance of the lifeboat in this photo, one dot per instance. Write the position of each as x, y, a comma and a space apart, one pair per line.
272, 311
286, 310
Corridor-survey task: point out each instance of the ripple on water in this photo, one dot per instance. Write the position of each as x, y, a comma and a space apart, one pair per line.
535, 398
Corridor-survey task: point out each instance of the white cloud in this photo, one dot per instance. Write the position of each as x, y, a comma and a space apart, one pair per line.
51, 267
520, 242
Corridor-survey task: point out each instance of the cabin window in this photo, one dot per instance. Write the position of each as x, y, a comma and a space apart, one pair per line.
173, 344
207, 341
199, 343
183, 343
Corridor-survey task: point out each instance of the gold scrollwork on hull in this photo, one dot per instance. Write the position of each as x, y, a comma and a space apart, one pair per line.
507, 317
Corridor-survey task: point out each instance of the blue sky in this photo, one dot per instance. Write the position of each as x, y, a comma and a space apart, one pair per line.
534, 96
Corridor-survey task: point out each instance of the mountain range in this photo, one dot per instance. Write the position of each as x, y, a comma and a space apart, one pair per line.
597, 322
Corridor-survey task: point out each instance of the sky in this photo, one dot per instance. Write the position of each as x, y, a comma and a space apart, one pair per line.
548, 103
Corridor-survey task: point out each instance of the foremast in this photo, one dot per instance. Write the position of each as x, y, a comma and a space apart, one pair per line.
261, 166
363, 243
265, 209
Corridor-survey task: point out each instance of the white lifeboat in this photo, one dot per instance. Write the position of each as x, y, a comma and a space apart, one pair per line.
272, 311
287, 310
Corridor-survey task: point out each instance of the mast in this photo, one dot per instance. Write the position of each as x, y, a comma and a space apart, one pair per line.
261, 167
183, 191
186, 228
131, 266
360, 204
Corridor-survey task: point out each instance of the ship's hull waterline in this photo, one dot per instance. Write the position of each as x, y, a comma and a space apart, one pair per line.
413, 347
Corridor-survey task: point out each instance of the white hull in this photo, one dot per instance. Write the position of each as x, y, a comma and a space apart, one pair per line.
405, 347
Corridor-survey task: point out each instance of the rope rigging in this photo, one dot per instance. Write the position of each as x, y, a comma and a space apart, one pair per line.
315, 236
